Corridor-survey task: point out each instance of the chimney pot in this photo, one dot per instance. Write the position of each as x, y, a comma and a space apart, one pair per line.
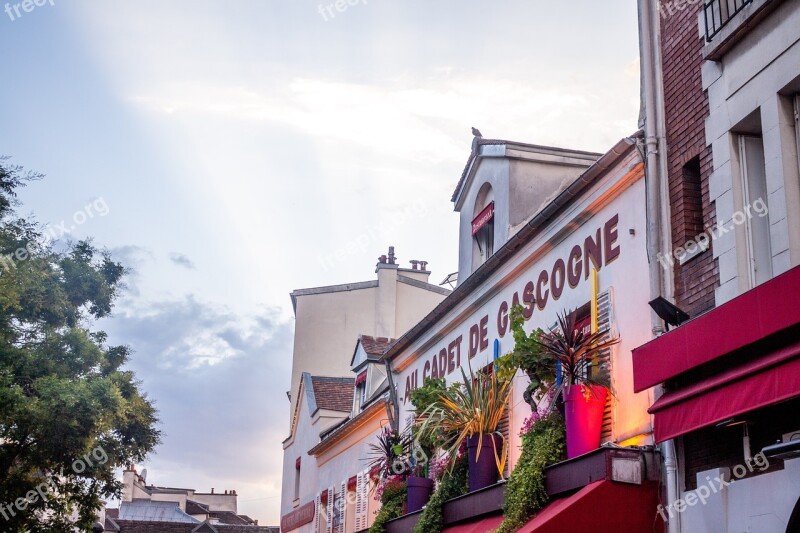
212, 490
414, 264
391, 255
424, 265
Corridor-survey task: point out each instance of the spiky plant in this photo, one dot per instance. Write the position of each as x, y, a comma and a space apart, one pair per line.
576, 352
475, 407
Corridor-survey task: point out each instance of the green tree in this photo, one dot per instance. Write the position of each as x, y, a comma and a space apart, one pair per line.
69, 413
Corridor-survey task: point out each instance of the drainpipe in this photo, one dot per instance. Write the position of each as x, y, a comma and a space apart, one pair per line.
658, 228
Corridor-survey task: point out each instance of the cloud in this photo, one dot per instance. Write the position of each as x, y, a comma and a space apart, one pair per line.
215, 377
181, 260
134, 259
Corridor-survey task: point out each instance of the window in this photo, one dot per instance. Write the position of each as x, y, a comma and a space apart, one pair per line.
485, 240
338, 511
483, 226
360, 397
754, 191
297, 479
692, 200
728, 444
797, 124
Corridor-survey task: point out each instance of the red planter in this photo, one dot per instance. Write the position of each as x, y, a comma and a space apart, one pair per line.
419, 490
584, 418
483, 469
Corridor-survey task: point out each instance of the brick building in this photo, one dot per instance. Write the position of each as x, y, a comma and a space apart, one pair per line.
720, 84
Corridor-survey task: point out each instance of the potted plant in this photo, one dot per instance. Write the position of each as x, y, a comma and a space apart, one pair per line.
584, 392
423, 447
471, 412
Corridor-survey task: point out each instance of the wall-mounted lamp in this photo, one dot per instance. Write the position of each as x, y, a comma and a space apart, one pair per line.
668, 312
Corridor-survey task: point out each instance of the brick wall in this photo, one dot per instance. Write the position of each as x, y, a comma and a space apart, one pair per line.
686, 110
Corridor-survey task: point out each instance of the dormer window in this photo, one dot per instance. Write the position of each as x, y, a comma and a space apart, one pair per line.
361, 390
483, 227
483, 232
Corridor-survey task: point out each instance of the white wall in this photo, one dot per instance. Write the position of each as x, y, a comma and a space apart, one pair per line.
760, 504
748, 80
627, 277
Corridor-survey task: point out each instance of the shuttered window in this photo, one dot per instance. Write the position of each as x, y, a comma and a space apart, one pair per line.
362, 501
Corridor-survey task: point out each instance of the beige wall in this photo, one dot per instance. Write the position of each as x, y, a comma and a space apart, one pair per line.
329, 320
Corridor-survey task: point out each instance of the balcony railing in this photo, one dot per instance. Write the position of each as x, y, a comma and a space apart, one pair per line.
719, 13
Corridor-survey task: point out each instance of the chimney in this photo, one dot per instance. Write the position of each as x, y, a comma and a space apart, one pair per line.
423, 266
212, 490
414, 264
392, 256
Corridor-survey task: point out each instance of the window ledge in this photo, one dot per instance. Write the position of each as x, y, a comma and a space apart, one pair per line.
738, 26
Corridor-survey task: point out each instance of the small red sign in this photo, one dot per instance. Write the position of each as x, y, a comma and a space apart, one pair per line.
483, 218
299, 517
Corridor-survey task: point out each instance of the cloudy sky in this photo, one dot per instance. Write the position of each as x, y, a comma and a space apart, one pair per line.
226, 151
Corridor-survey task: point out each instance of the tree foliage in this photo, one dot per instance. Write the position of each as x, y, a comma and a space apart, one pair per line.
66, 401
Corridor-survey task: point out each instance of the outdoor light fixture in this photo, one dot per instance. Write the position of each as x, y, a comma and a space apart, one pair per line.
783, 450
731, 422
668, 312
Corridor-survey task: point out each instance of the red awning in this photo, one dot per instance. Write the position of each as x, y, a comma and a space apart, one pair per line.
766, 310
483, 218
478, 526
764, 381
601, 506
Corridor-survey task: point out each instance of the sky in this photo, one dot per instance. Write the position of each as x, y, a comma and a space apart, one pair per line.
230, 152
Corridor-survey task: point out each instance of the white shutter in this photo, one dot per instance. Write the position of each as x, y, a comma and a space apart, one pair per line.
329, 512
317, 512
606, 322
362, 493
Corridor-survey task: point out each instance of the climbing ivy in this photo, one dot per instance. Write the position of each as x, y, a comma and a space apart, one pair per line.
393, 500
542, 446
455, 483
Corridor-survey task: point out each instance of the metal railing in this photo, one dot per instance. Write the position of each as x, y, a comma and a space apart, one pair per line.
719, 12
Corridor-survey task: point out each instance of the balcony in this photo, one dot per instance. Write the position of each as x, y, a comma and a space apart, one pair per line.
727, 21
624, 480
719, 13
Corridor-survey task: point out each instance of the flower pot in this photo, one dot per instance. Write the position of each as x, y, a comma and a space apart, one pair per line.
483, 468
419, 490
584, 418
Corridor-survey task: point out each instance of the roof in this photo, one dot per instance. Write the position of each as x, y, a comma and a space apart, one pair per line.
128, 526
153, 511
333, 394
229, 517
332, 288
375, 346
532, 228
488, 142
193, 507
338, 432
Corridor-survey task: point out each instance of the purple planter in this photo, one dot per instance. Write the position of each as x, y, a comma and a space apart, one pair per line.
419, 490
483, 469
584, 419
